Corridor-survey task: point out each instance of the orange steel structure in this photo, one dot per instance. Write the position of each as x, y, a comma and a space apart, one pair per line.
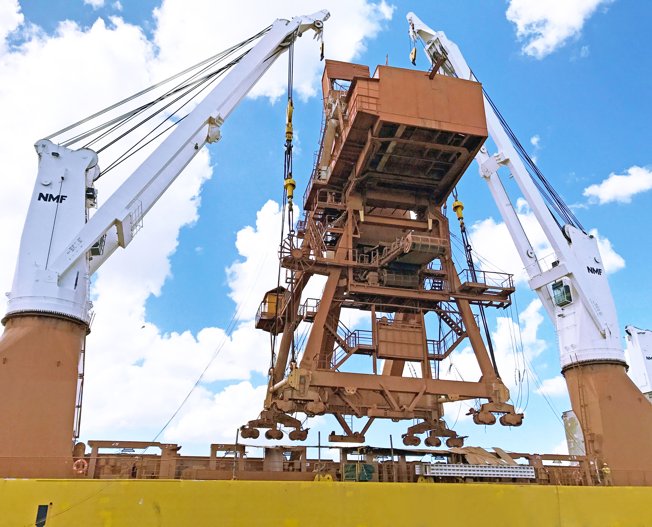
393, 148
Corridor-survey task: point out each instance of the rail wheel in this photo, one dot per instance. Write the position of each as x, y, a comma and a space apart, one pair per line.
274, 433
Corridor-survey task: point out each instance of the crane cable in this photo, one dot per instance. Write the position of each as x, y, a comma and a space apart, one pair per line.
207, 63
458, 207
545, 188
289, 184
204, 74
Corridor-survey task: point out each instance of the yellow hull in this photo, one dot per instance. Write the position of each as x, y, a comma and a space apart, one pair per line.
112, 503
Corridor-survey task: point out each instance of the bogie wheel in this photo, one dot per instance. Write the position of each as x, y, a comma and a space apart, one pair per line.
411, 440
484, 418
246, 432
433, 441
274, 433
511, 420
298, 435
455, 442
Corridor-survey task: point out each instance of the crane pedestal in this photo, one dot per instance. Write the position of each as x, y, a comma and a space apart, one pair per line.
616, 420
37, 395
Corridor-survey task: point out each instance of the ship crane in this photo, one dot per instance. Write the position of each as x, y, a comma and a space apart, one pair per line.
49, 309
615, 417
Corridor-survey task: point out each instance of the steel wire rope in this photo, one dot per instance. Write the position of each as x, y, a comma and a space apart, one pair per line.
288, 175
120, 120
523, 356
540, 181
157, 85
515, 345
133, 150
539, 385
188, 87
284, 206
278, 280
471, 264
515, 356
547, 190
528, 369
519, 333
207, 81
482, 259
187, 84
227, 334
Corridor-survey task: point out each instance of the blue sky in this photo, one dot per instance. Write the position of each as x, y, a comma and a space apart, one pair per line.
581, 106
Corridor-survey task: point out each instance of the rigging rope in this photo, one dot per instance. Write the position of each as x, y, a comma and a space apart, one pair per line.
164, 108
213, 59
549, 194
135, 148
288, 195
289, 184
458, 207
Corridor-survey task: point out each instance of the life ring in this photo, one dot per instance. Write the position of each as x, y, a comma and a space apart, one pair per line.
80, 466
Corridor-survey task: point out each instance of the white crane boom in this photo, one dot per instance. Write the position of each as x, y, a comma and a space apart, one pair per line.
616, 418
573, 287
54, 267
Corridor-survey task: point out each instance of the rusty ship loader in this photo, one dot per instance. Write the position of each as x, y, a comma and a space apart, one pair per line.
393, 147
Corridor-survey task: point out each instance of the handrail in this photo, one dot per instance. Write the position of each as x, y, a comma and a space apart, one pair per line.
490, 278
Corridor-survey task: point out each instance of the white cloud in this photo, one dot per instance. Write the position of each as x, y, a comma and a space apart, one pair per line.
136, 374
546, 26
493, 244
351, 21
95, 4
561, 448
117, 5
555, 387
620, 188
585, 51
214, 417
259, 268
516, 345
10, 19
535, 141
611, 260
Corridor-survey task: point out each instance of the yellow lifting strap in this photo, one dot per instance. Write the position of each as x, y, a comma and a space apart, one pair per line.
288, 124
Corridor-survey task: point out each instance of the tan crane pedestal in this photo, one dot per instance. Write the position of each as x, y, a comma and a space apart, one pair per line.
37, 396
616, 420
